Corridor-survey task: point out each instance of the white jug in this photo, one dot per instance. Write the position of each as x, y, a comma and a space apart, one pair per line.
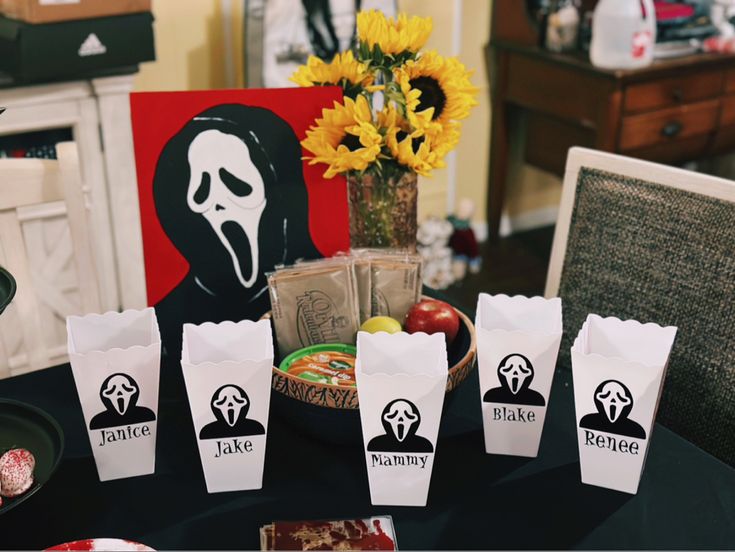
623, 34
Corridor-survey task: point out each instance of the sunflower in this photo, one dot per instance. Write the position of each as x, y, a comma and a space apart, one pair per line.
344, 70
415, 150
392, 36
345, 138
437, 90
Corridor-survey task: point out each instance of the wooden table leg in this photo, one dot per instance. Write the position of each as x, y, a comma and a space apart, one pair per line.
499, 145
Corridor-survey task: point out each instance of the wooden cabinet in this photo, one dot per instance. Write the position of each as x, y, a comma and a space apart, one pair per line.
673, 111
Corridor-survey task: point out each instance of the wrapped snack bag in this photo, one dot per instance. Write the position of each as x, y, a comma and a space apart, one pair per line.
361, 259
313, 303
395, 284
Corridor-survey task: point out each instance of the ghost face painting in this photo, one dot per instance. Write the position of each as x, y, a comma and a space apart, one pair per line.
227, 189
229, 193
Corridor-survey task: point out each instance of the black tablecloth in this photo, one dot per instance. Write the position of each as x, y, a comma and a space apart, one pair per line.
686, 497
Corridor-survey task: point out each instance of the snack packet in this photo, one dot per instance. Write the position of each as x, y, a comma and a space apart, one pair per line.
314, 302
395, 284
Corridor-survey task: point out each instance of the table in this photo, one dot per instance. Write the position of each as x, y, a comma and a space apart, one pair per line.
686, 498
673, 111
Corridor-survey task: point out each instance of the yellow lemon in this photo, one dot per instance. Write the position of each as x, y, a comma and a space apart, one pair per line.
381, 324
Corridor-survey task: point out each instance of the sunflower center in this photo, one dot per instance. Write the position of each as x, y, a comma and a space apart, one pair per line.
432, 94
351, 141
415, 142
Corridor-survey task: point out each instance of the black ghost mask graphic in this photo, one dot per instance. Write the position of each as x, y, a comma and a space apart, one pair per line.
400, 419
119, 394
230, 194
614, 402
230, 405
515, 373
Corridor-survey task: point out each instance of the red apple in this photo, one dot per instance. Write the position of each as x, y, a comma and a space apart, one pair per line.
431, 316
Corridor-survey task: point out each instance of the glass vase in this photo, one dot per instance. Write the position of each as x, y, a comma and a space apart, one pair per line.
383, 210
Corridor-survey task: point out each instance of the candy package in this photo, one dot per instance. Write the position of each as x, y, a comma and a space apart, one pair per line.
314, 302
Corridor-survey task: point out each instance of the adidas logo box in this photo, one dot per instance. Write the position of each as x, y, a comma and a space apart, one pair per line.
53, 11
74, 49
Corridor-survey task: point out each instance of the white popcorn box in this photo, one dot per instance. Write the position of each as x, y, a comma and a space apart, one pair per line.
227, 371
517, 344
618, 370
401, 381
116, 362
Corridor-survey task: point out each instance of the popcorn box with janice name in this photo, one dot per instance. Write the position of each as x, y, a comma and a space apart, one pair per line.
116, 362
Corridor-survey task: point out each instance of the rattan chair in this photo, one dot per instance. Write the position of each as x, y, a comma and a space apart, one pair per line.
639, 240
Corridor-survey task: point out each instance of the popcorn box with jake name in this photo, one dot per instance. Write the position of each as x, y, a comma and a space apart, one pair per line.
401, 380
227, 371
618, 369
115, 359
518, 342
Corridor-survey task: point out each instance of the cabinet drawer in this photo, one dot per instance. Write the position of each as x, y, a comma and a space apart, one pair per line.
669, 124
728, 111
730, 81
693, 87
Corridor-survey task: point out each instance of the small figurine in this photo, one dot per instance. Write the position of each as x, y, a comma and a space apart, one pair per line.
463, 241
433, 239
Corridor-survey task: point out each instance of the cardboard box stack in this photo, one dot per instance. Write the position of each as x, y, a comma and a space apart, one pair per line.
47, 40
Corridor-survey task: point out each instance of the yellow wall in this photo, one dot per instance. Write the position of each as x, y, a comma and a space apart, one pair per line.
190, 46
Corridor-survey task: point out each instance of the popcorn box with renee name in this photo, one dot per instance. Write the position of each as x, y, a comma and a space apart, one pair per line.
227, 371
517, 344
116, 362
401, 380
618, 368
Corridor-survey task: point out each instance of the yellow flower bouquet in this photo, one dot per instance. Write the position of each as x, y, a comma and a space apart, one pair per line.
399, 118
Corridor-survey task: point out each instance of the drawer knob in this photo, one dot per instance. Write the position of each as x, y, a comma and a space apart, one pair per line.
678, 94
671, 129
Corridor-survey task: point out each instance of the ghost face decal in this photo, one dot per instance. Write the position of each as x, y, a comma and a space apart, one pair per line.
401, 420
613, 399
119, 391
614, 403
230, 405
230, 400
401, 416
516, 374
226, 188
516, 369
119, 394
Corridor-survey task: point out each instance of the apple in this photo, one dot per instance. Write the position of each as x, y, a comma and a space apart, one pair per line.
381, 324
431, 316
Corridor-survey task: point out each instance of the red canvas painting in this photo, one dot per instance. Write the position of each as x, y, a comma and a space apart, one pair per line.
225, 197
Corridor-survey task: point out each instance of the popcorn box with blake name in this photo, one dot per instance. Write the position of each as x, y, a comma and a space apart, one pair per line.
517, 343
116, 360
401, 381
618, 370
227, 371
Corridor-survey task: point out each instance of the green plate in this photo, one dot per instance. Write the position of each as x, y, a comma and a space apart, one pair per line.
7, 288
28, 427
339, 347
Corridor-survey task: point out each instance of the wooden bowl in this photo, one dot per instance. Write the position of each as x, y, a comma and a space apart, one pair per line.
331, 413
461, 354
